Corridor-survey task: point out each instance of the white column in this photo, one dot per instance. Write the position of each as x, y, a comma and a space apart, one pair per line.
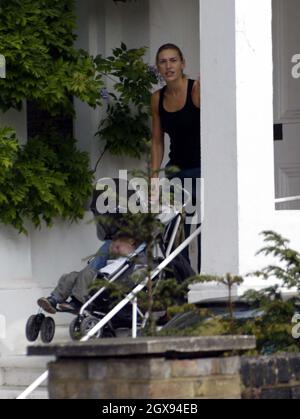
237, 132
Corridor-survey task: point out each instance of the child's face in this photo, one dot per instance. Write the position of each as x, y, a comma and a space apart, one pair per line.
121, 247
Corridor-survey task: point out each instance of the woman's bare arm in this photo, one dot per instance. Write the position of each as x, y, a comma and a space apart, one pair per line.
158, 147
196, 94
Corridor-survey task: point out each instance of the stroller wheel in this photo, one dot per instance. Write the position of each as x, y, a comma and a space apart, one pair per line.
87, 324
47, 330
74, 329
33, 327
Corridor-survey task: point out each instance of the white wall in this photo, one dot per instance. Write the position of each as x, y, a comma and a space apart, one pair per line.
62, 249
176, 22
15, 256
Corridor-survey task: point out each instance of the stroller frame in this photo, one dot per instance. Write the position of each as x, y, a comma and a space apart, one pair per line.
135, 309
130, 298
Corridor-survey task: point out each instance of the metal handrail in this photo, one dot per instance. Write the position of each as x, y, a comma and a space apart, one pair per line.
130, 298
287, 199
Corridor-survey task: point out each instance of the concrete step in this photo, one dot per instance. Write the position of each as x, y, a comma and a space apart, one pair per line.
21, 371
13, 392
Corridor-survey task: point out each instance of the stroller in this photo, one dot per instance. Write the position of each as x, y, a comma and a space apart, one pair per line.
122, 270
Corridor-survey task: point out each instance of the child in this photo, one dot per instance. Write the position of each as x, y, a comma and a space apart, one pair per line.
75, 285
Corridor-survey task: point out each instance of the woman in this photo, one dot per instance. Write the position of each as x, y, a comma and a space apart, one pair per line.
176, 111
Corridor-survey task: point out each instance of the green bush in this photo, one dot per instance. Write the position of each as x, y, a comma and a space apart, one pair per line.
126, 130
9, 148
271, 320
37, 39
49, 178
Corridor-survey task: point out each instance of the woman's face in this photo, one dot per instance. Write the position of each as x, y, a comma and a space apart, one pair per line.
170, 65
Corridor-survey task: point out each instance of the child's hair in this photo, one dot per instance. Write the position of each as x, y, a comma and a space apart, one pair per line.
169, 46
126, 238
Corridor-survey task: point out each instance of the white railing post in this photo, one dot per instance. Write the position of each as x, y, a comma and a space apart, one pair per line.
134, 318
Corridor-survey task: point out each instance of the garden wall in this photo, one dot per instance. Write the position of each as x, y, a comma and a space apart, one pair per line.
169, 368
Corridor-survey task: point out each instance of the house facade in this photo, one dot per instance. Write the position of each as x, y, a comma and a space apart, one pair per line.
243, 50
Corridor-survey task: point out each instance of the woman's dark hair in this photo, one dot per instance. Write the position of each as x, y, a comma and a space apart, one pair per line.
170, 46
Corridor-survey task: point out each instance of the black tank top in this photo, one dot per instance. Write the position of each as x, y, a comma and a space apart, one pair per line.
183, 128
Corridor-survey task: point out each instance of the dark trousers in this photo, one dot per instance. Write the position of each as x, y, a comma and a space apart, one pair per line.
192, 174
